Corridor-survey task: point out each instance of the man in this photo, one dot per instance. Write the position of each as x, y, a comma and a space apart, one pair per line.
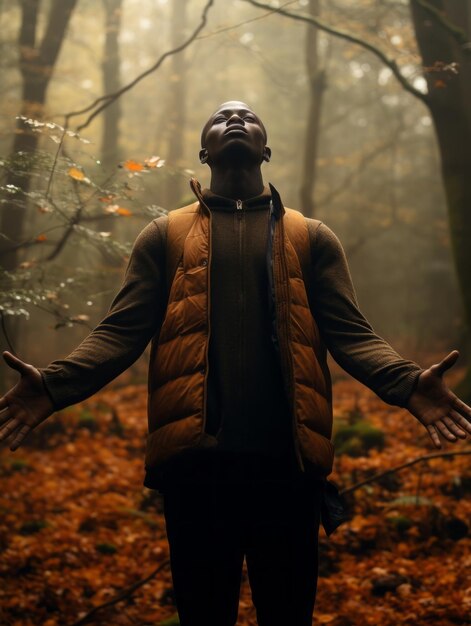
240, 297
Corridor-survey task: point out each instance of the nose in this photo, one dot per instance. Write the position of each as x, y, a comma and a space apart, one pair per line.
235, 119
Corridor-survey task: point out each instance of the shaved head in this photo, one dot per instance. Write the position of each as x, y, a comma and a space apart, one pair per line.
229, 106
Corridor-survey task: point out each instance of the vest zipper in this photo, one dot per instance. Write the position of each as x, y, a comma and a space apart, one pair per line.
240, 354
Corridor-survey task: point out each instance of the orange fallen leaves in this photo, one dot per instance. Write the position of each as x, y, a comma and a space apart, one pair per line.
76, 525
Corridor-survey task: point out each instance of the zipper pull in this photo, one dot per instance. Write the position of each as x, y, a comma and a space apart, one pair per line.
239, 208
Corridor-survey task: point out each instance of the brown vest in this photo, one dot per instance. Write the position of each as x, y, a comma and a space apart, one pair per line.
179, 356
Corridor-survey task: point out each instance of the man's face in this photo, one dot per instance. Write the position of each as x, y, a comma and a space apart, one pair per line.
233, 135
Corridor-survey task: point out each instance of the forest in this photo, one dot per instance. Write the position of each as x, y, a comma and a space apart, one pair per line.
367, 106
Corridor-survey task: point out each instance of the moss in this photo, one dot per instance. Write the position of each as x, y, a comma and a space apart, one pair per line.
358, 438
33, 526
401, 523
20, 465
106, 548
171, 621
87, 420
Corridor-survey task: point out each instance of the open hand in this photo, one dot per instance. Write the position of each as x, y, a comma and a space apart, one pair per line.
437, 407
25, 406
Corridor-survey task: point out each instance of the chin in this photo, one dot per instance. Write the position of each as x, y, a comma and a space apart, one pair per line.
238, 153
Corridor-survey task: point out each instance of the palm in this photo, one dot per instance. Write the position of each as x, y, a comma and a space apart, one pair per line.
25, 406
438, 408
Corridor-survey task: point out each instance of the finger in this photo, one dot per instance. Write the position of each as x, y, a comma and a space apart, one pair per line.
20, 435
444, 431
462, 422
462, 407
8, 428
4, 415
446, 363
3, 403
454, 428
15, 363
434, 436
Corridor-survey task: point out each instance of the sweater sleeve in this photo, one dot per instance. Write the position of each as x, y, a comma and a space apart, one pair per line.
347, 334
121, 337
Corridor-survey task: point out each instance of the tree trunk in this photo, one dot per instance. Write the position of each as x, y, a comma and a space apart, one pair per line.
111, 83
36, 66
176, 185
317, 85
449, 103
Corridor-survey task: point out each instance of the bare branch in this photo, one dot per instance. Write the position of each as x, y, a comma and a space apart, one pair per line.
393, 470
105, 101
122, 595
224, 29
364, 161
314, 21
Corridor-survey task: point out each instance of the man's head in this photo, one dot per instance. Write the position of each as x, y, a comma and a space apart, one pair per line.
234, 134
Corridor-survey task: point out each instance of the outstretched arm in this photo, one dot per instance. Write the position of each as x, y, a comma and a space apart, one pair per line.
118, 340
368, 357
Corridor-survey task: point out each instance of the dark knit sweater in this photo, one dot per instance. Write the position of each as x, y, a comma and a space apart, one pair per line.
247, 409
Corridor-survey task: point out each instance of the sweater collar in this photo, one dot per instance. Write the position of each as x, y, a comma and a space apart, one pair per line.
212, 202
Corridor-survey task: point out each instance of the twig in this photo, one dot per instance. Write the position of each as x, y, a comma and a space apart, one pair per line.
224, 29
314, 21
364, 161
122, 595
419, 483
98, 105
56, 156
393, 470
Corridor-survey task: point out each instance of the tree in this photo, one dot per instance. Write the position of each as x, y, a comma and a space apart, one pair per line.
37, 62
316, 84
177, 104
445, 50
111, 82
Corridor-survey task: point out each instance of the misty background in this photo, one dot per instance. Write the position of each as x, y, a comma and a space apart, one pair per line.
353, 145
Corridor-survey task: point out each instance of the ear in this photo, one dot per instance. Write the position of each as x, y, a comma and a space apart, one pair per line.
266, 154
204, 156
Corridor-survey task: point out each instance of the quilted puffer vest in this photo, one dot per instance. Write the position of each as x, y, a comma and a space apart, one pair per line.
179, 356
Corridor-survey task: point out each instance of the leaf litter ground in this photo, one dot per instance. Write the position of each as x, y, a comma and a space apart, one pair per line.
77, 526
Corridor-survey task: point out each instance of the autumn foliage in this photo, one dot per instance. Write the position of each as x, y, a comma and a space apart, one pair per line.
77, 527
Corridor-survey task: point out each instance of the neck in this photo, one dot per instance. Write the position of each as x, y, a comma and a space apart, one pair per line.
236, 183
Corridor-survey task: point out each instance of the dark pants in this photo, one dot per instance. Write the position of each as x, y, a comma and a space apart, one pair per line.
212, 525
